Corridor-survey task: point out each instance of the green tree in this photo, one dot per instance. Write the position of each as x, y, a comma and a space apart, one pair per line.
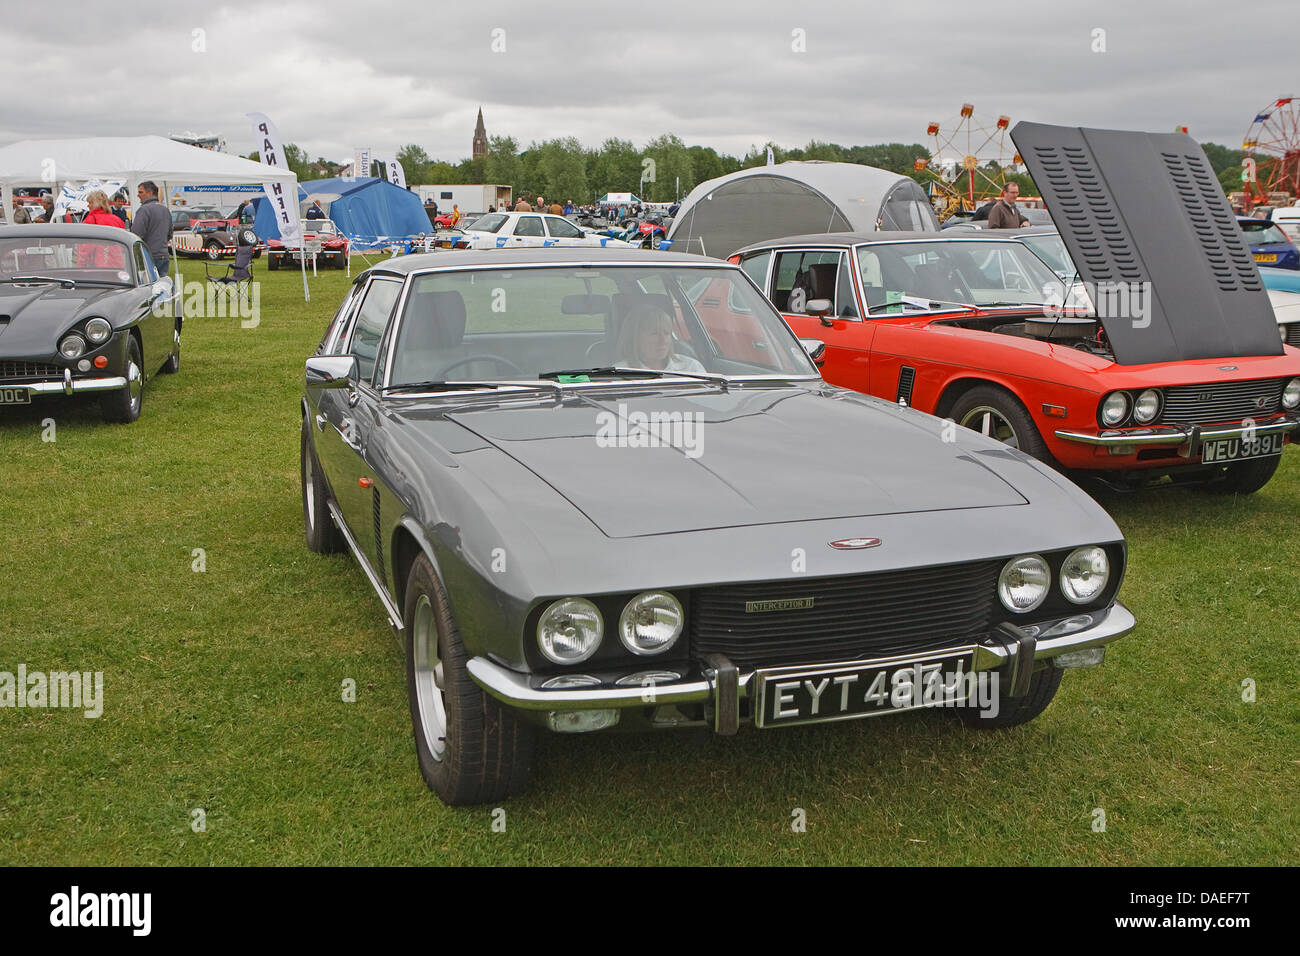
503, 166
415, 164
562, 166
671, 169
614, 168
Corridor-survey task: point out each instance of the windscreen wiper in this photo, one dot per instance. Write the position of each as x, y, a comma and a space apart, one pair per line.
439, 386
66, 283
622, 371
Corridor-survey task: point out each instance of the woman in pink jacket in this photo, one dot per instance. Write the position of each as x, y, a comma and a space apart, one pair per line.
100, 255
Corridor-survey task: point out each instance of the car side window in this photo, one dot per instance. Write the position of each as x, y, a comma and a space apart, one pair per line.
529, 226
562, 228
804, 276
144, 266
372, 319
756, 264
340, 319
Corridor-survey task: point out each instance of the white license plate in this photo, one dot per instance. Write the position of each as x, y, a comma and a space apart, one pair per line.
1219, 450
792, 695
15, 396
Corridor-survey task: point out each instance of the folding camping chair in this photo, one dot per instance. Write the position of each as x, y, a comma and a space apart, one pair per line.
240, 273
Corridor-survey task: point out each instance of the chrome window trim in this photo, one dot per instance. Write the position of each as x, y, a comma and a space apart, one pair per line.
356, 314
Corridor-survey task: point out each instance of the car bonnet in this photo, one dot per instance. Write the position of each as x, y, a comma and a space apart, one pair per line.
1144, 211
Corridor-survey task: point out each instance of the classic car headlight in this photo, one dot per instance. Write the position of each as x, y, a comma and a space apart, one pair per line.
1114, 409
72, 346
1084, 574
1024, 583
570, 630
651, 623
1291, 394
98, 331
1146, 407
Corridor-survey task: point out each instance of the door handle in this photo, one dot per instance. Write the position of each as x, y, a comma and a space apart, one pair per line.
320, 422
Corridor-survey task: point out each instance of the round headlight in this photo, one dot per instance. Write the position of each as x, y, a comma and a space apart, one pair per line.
1147, 407
1291, 394
98, 331
1084, 574
1024, 583
651, 623
1114, 409
570, 630
72, 346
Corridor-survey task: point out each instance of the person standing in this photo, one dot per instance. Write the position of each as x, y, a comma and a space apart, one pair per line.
98, 213
1004, 214
21, 215
316, 212
153, 225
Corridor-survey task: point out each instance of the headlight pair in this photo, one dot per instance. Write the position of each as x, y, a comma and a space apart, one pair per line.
1118, 407
570, 629
1025, 581
95, 331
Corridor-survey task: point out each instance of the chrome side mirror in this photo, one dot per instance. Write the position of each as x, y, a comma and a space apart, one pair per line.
331, 371
816, 350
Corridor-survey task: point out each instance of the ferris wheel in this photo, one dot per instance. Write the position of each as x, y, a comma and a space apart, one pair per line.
967, 161
1272, 148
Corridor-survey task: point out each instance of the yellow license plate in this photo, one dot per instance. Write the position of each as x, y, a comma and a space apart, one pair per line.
1266, 257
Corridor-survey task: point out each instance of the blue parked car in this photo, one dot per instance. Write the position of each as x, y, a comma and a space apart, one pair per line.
1280, 280
1269, 244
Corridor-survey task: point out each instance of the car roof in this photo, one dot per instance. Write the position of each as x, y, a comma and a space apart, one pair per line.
69, 230
532, 255
847, 239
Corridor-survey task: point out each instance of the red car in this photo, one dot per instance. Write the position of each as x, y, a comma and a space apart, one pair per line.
1184, 377
333, 246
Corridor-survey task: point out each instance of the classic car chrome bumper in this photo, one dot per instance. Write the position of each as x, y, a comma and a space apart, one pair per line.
524, 691
1188, 435
69, 385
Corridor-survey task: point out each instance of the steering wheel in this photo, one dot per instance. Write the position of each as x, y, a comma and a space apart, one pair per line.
483, 356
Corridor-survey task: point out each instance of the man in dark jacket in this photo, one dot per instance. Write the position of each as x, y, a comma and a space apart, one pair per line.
153, 225
1004, 214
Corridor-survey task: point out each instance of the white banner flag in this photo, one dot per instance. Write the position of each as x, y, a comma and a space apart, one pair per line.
74, 196
771, 159
396, 174
361, 162
271, 149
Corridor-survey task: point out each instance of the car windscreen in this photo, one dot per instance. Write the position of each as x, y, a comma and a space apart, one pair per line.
1051, 249
519, 324
98, 260
897, 276
489, 223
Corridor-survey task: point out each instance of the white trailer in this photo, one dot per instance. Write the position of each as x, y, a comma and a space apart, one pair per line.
472, 199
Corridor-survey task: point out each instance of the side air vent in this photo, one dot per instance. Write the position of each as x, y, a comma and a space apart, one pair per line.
379, 537
906, 378
1215, 228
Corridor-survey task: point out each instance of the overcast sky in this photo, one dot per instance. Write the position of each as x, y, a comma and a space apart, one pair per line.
725, 75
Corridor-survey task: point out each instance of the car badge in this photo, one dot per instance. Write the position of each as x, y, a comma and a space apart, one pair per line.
855, 544
787, 604
1261, 401
1227, 368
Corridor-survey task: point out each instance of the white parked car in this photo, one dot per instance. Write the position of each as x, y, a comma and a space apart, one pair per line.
513, 230
1286, 306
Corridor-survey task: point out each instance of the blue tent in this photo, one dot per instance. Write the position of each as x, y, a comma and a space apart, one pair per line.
364, 208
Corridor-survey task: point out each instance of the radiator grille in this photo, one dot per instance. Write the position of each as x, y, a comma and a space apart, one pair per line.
16, 370
852, 617
1293, 334
1221, 402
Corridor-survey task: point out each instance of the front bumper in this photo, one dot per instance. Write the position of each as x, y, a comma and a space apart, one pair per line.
1188, 437
69, 385
722, 687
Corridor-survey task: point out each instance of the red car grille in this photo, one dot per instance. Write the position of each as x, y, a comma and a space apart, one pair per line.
852, 617
23, 370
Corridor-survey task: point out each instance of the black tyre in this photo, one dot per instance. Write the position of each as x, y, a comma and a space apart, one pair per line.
212, 250
124, 404
999, 414
340, 261
471, 750
1243, 478
322, 536
1014, 711
272, 262
173, 363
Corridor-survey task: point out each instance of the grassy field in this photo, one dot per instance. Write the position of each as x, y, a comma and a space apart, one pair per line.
223, 687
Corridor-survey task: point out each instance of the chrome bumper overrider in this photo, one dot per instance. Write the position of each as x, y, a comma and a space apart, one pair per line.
69, 385
523, 691
1175, 434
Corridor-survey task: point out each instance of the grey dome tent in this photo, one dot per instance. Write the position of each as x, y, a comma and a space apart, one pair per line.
794, 198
